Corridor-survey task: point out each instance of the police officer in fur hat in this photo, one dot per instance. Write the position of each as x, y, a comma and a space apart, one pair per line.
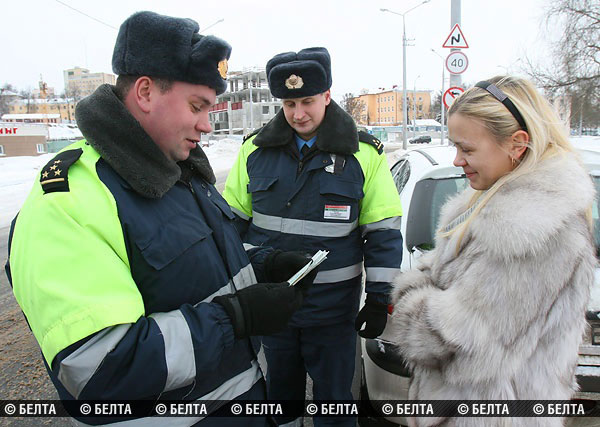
309, 180
141, 288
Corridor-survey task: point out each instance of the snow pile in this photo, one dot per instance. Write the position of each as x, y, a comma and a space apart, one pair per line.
222, 154
62, 131
17, 175
591, 143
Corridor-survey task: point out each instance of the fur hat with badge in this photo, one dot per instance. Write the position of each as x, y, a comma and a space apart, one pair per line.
295, 75
149, 44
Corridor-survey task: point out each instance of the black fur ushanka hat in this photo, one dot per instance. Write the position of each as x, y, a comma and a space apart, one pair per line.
149, 44
296, 75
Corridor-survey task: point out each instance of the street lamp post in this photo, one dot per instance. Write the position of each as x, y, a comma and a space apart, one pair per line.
442, 99
211, 25
415, 107
404, 109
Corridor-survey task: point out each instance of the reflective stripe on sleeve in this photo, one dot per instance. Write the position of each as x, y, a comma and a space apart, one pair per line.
339, 274
239, 213
393, 223
179, 349
302, 227
76, 369
381, 274
243, 279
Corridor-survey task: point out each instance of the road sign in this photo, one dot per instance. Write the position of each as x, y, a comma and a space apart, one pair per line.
457, 62
456, 39
451, 94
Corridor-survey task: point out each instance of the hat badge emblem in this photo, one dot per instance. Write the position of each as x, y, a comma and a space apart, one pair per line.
294, 82
223, 67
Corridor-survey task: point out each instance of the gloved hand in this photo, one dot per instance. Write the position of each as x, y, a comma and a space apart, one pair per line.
261, 309
374, 314
279, 266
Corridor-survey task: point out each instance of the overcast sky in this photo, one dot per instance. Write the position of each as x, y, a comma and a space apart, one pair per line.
46, 37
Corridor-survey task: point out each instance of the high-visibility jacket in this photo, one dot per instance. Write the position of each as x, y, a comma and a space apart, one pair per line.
116, 284
340, 197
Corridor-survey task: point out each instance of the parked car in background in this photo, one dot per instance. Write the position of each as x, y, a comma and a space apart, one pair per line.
425, 179
423, 139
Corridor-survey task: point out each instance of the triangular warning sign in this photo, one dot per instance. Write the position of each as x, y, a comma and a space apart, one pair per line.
456, 39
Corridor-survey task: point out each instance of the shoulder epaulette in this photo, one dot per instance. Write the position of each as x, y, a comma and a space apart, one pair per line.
251, 134
370, 139
55, 175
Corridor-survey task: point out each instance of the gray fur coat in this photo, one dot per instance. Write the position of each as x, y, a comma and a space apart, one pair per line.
503, 318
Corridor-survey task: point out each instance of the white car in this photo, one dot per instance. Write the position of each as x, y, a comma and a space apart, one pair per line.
425, 178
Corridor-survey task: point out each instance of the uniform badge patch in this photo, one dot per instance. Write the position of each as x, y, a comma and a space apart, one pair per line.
337, 212
55, 175
294, 82
222, 66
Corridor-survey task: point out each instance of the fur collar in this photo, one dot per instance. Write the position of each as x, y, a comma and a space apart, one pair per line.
128, 149
336, 134
527, 212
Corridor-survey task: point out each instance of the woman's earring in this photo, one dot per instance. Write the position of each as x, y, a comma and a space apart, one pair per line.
513, 161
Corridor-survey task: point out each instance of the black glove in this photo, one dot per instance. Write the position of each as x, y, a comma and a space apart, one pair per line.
279, 266
261, 309
374, 314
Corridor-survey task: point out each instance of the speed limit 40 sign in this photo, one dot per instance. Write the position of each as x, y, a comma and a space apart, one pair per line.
457, 62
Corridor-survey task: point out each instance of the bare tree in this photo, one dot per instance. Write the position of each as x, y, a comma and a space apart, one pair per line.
574, 68
27, 94
73, 96
436, 107
6, 94
355, 107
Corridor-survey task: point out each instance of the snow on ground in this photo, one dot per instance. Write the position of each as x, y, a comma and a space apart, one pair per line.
63, 131
222, 154
18, 174
586, 142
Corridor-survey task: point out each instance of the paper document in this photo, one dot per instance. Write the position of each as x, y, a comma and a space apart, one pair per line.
317, 259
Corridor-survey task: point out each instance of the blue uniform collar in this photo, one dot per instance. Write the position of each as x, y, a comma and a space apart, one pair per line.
300, 142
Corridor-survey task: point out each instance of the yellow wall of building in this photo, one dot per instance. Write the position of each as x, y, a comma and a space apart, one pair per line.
80, 82
65, 109
385, 108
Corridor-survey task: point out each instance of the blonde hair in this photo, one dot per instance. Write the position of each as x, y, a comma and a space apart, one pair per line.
548, 135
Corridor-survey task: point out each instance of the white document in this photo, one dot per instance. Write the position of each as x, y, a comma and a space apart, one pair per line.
317, 259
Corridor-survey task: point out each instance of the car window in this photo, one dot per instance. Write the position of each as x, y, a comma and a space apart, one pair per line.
401, 173
426, 204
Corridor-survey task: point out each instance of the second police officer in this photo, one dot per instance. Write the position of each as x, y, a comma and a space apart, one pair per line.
308, 180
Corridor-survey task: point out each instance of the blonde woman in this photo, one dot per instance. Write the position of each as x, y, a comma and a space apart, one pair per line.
497, 309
